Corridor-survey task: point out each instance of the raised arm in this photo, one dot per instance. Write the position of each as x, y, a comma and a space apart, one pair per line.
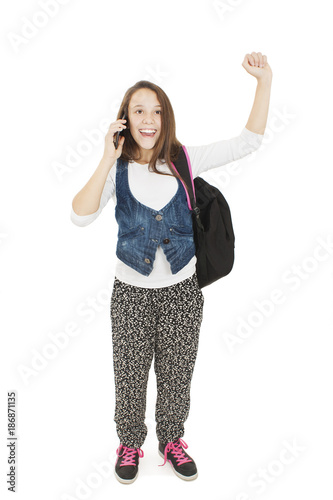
256, 65
221, 152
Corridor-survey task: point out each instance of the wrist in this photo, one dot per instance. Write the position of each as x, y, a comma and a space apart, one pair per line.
265, 81
108, 161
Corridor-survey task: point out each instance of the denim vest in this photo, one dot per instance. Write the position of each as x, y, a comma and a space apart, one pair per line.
142, 229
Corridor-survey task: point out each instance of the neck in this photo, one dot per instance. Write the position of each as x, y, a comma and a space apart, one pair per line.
145, 156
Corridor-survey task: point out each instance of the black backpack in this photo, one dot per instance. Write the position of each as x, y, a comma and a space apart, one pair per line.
212, 226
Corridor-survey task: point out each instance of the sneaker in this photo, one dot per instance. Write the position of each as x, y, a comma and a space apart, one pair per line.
183, 465
127, 464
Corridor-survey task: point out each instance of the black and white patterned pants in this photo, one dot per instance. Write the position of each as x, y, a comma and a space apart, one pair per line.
165, 322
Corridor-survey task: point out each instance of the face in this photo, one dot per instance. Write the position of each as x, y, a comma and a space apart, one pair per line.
144, 112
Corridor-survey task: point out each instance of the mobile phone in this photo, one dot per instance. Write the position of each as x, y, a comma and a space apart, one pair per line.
121, 132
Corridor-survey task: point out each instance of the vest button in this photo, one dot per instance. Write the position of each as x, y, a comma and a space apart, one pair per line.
158, 217
147, 261
166, 240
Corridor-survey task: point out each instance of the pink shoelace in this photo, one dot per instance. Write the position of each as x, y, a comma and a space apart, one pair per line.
176, 449
129, 455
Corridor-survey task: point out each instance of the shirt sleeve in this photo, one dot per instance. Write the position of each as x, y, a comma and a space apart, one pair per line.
220, 153
108, 191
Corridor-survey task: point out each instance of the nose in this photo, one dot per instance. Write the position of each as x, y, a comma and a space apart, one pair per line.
148, 119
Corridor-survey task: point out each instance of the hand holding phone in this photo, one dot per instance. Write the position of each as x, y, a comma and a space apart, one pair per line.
115, 129
121, 132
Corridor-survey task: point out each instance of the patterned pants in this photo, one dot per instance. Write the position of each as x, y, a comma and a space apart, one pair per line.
165, 322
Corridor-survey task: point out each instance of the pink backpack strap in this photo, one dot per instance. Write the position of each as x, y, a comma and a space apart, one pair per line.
191, 175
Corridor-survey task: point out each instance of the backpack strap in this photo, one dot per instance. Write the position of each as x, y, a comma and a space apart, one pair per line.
183, 167
185, 170
190, 170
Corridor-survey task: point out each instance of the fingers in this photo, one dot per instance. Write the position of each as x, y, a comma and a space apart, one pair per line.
257, 59
117, 126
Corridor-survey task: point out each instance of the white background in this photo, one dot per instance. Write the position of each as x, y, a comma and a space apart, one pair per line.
247, 402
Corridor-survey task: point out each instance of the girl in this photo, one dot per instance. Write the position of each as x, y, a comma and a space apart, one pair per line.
156, 302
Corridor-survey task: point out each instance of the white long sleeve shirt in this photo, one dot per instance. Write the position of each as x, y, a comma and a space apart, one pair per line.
155, 191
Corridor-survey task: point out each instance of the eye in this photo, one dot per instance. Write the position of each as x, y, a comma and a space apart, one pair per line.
140, 110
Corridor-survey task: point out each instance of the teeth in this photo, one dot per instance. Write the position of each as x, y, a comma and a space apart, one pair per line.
147, 131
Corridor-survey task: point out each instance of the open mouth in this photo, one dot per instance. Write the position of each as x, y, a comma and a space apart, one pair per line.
148, 132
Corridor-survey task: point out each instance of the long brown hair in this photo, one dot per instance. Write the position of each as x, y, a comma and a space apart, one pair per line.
167, 146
